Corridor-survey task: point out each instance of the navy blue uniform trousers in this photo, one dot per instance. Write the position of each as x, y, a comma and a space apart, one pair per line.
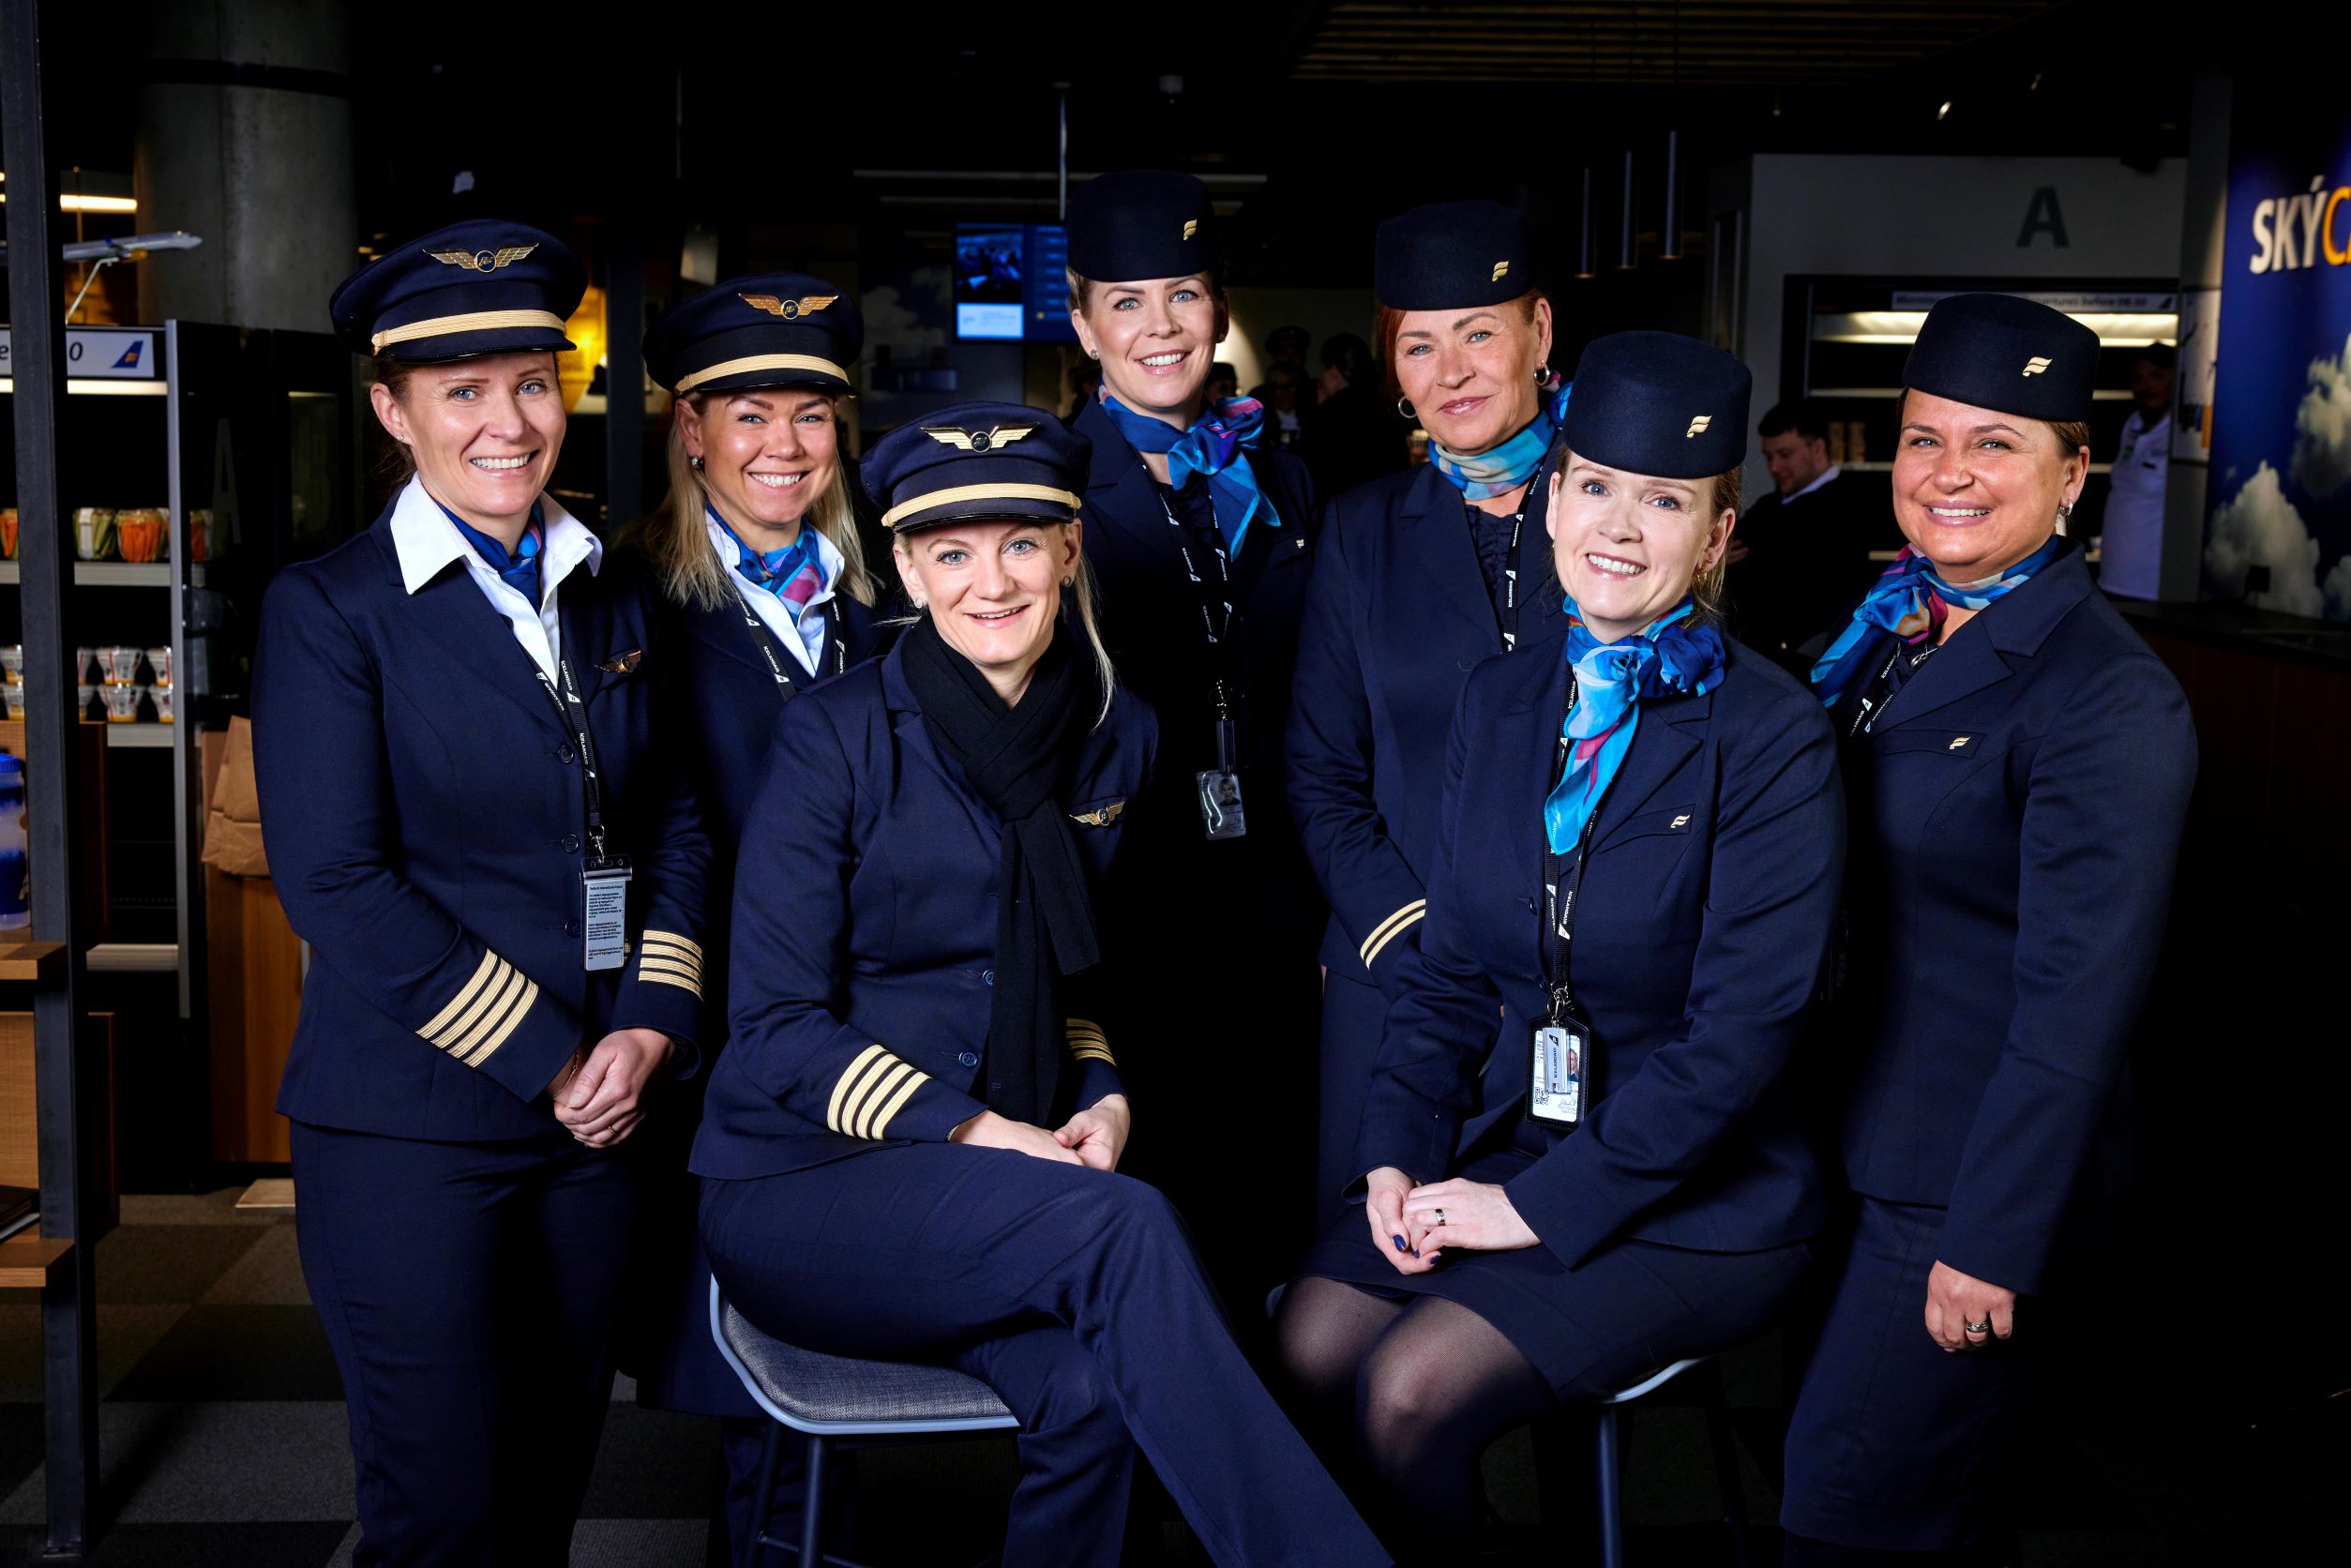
470, 1292
1077, 1296
1896, 1444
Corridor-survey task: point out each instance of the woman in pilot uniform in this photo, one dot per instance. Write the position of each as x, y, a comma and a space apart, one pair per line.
2019, 765
1637, 869
763, 590
471, 821
1202, 538
909, 1150
1420, 576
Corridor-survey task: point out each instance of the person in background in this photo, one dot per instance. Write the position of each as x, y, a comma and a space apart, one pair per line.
1637, 867
1284, 417
1085, 386
474, 819
2019, 764
1423, 574
1801, 556
764, 591
1224, 383
913, 1143
1288, 345
2130, 550
1203, 541
1351, 436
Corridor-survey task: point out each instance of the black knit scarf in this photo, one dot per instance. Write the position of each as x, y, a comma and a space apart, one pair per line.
1020, 760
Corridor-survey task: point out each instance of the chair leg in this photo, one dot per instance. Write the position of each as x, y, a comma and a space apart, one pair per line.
1718, 1431
812, 1508
1611, 1489
763, 1500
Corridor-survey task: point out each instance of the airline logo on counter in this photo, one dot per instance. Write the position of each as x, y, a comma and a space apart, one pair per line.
2292, 232
99, 352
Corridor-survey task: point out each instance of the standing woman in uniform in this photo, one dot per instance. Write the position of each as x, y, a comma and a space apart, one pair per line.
1636, 867
909, 1147
2019, 764
1421, 576
473, 818
1201, 538
763, 590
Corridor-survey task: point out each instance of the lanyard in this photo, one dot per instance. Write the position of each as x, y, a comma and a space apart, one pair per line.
1225, 681
1876, 695
1559, 924
766, 642
573, 714
1510, 560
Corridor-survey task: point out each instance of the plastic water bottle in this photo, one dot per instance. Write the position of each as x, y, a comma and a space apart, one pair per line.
16, 877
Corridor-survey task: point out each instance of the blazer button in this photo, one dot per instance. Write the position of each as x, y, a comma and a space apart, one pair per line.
988, 977
572, 843
566, 755
970, 1059
571, 927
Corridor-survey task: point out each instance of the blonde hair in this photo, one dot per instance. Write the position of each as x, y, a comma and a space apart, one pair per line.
1705, 589
677, 540
1089, 619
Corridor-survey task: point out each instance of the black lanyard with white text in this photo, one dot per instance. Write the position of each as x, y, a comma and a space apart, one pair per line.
604, 875
766, 640
1218, 788
1510, 557
1560, 1050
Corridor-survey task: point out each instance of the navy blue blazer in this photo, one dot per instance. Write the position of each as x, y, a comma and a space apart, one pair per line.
864, 926
1151, 622
2016, 815
423, 806
1396, 617
1700, 938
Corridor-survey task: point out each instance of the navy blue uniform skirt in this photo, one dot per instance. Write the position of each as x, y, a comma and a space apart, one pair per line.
1894, 1444
1631, 1309
1077, 1297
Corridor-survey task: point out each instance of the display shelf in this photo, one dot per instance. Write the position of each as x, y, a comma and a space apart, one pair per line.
139, 735
29, 961
28, 1260
113, 574
132, 957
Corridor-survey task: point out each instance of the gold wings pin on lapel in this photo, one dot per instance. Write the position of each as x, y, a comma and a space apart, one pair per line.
483, 261
790, 309
1101, 818
624, 664
977, 441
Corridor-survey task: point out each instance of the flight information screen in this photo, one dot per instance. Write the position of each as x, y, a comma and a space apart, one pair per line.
1011, 282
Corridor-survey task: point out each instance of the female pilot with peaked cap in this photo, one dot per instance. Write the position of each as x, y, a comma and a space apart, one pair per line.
2019, 765
472, 819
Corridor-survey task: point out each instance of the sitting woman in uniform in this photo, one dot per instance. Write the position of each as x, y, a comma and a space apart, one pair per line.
474, 821
909, 1147
2020, 764
764, 591
1422, 575
1663, 804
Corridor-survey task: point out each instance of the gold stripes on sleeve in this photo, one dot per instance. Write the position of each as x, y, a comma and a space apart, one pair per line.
872, 1091
1391, 927
1087, 1042
484, 1012
671, 959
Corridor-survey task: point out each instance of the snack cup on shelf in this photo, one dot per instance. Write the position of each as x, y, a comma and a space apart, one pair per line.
161, 697
199, 535
119, 664
8, 533
12, 661
94, 533
88, 695
12, 700
122, 704
140, 531
160, 660
81, 659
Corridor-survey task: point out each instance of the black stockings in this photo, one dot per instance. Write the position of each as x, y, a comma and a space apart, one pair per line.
1414, 1391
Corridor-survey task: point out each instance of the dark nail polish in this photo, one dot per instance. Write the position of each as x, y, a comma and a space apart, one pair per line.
1400, 1242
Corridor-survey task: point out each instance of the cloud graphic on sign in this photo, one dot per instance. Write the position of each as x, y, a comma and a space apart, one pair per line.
2321, 427
2337, 590
2259, 526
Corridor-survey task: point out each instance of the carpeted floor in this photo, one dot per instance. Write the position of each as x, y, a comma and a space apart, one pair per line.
223, 1443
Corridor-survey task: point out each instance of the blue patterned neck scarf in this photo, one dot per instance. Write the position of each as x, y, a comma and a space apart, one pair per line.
1907, 604
1218, 446
1499, 470
521, 569
794, 574
1668, 658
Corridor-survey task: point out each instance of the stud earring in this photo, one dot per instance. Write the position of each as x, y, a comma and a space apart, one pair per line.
1070, 581
694, 463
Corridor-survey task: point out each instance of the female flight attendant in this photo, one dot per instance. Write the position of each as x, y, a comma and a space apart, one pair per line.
1203, 540
909, 1146
1421, 576
764, 591
472, 820
2020, 764
1578, 1159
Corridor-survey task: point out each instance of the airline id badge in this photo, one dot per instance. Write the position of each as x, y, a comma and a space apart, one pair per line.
1555, 1091
606, 878
1221, 811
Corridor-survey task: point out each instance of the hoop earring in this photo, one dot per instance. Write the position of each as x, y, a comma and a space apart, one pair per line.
1543, 374
1405, 409
694, 463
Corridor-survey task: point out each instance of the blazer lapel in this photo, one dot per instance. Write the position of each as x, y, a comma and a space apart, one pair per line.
1438, 556
465, 630
723, 631
1121, 493
1995, 644
1670, 731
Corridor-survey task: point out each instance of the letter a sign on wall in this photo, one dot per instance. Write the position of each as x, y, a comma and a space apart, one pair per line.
2042, 216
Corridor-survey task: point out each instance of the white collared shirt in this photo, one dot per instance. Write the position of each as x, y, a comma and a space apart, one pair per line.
1819, 480
427, 541
805, 635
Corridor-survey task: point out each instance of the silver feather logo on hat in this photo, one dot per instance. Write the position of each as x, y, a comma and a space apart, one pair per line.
1697, 427
2034, 365
977, 441
483, 261
790, 309
1501, 271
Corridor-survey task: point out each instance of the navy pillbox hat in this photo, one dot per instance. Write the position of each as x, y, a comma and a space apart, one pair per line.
484, 286
1451, 256
1659, 403
775, 329
977, 460
2010, 355
1140, 224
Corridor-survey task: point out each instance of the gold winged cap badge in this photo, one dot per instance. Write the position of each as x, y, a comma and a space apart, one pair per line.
977, 441
483, 261
789, 309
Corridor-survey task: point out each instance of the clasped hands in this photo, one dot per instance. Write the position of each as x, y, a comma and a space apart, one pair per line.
1965, 1313
599, 1095
1411, 1226
1094, 1137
